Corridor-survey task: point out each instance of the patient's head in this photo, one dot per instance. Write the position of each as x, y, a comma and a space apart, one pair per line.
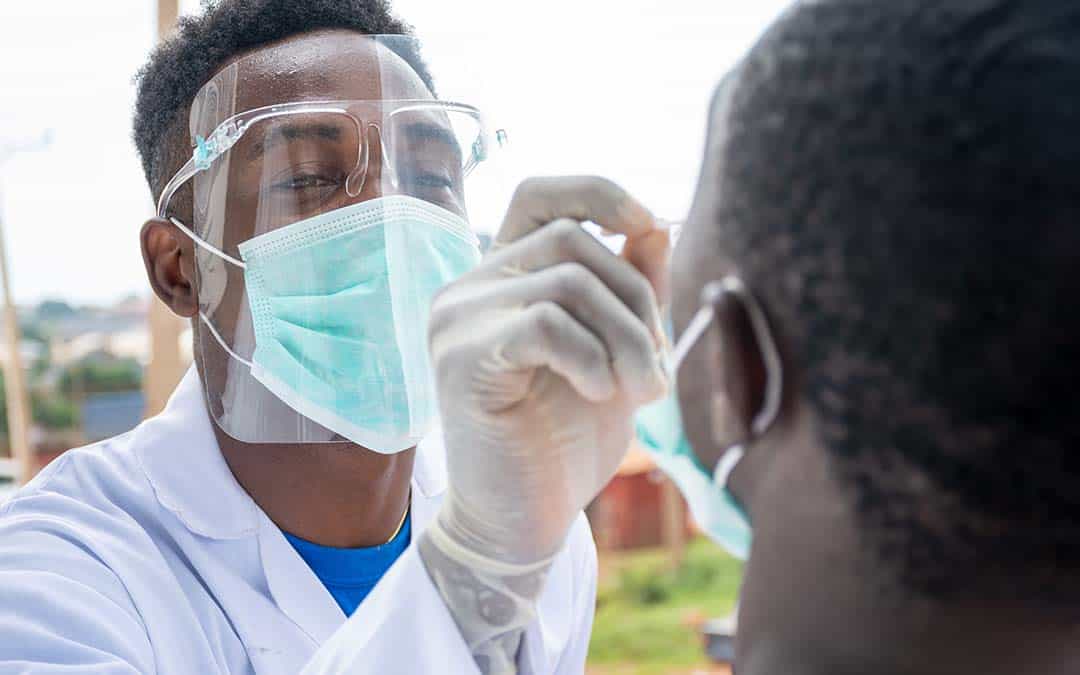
897, 183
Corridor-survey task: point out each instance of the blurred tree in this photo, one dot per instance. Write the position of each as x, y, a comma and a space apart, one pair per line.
33, 331
50, 411
40, 366
54, 412
54, 309
96, 376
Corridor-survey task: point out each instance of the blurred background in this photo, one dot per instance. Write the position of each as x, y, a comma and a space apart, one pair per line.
618, 88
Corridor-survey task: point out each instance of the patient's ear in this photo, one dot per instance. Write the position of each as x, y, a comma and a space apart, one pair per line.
169, 257
736, 372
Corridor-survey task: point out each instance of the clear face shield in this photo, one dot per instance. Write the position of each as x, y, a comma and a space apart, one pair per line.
328, 211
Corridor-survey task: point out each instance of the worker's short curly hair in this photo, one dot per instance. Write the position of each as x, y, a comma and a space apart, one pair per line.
899, 184
180, 66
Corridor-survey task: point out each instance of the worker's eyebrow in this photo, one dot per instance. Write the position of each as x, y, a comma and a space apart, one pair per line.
420, 132
284, 133
428, 131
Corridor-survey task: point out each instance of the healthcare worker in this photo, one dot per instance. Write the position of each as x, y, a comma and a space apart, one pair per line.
313, 194
876, 356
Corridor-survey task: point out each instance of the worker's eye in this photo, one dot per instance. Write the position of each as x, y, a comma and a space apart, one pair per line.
303, 189
306, 180
428, 180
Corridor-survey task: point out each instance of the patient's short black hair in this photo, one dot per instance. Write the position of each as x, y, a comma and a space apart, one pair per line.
901, 184
180, 66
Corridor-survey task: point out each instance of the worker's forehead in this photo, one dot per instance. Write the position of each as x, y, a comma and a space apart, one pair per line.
317, 66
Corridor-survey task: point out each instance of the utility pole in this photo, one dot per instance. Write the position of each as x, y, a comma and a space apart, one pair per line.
166, 367
673, 523
17, 397
167, 13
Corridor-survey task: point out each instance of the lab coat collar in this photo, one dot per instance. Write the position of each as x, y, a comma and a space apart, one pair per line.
181, 458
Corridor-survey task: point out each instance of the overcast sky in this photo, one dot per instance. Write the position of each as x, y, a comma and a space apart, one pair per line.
612, 87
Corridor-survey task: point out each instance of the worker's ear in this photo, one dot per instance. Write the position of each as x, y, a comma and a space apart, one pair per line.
169, 256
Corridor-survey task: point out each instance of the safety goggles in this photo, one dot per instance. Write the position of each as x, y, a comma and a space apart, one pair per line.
291, 161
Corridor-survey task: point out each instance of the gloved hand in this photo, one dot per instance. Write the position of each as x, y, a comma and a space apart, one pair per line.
541, 354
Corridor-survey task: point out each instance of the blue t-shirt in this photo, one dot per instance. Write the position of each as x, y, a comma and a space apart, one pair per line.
350, 573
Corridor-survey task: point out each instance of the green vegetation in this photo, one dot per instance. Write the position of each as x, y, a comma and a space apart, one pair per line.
32, 331
647, 613
49, 411
99, 376
52, 412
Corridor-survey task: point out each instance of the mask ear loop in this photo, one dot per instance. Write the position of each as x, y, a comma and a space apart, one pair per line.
690, 337
202, 243
221, 342
199, 241
712, 295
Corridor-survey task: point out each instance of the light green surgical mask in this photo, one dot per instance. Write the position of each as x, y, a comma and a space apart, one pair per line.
715, 510
659, 428
339, 305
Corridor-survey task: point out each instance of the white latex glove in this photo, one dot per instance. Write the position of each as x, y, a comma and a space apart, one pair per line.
542, 354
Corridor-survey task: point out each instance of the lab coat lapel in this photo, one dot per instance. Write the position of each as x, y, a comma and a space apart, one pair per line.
295, 587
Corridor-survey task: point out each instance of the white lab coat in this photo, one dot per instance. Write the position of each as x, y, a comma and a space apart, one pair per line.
142, 554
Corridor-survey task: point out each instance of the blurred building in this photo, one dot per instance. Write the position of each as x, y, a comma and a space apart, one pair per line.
638, 509
64, 345
109, 414
118, 331
101, 415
